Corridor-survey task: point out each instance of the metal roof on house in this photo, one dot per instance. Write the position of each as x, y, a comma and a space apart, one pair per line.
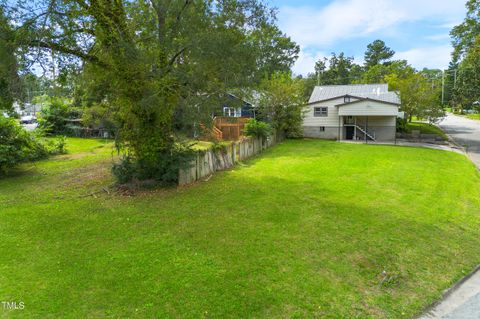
372, 91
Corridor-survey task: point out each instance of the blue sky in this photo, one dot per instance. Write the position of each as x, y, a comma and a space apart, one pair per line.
418, 30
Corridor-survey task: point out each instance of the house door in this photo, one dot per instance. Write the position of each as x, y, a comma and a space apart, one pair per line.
350, 132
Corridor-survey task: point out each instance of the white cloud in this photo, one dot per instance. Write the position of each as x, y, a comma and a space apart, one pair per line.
306, 62
449, 25
438, 37
339, 20
359, 59
343, 19
319, 28
436, 57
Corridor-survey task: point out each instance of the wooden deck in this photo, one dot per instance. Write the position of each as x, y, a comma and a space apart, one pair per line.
230, 127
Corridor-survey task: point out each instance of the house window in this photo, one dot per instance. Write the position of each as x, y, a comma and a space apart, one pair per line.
231, 112
322, 128
320, 112
346, 99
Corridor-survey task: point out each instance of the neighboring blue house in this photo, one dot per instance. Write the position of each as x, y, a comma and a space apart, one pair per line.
237, 107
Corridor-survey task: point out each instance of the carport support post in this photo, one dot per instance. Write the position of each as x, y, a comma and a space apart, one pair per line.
366, 132
355, 130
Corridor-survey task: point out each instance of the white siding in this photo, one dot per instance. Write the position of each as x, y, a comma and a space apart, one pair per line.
377, 120
329, 121
368, 108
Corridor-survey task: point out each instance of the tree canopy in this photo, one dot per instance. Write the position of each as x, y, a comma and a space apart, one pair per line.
282, 101
417, 95
377, 53
9, 78
462, 77
146, 58
339, 69
464, 35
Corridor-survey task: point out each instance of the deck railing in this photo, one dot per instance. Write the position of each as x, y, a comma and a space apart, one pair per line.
231, 127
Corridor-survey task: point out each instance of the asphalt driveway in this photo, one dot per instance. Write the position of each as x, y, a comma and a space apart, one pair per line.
465, 132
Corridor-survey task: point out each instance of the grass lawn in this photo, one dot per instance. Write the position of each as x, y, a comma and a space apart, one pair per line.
309, 229
425, 128
473, 116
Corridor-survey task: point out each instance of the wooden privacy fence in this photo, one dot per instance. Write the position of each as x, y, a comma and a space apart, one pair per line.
208, 162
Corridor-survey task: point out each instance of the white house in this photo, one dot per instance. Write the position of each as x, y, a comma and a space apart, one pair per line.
352, 112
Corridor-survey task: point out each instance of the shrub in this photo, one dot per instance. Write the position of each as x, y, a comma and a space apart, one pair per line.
257, 129
17, 145
164, 168
52, 146
100, 115
220, 146
124, 171
401, 125
54, 115
60, 145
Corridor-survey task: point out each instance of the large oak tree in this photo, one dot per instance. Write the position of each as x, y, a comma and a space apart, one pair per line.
145, 58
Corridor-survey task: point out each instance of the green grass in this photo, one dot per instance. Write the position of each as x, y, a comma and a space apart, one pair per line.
473, 116
308, 229
425, 128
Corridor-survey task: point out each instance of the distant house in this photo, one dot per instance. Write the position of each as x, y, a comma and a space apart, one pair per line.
229, 120
352, 112
237, 107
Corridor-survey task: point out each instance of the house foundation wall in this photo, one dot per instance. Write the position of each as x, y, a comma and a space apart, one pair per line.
382, 133
330, 133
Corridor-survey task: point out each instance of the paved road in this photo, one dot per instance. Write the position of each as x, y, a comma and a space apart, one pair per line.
470, 309
465, 132
463, 302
